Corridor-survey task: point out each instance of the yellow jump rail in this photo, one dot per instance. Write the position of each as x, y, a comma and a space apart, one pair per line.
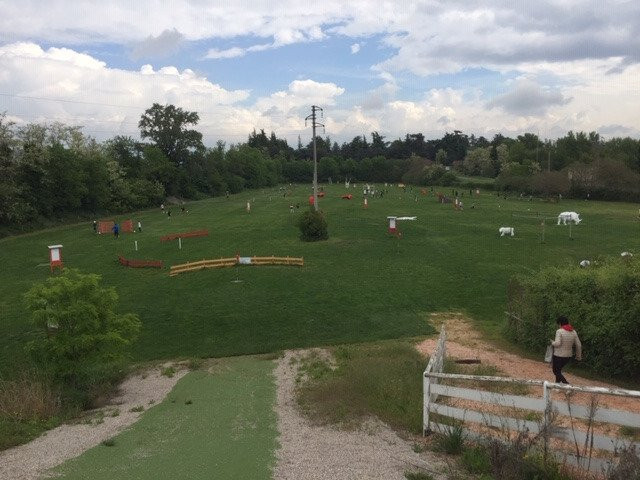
230, 262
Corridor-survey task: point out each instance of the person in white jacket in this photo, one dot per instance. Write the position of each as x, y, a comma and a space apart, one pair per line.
566, 339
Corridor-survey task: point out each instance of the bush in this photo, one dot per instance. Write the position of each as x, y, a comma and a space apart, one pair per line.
313, 226
82, 341
451, 440
28, 398
517, 460
476, 460
628, 466
602, 303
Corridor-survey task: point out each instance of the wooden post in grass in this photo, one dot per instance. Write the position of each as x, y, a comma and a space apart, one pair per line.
55, 257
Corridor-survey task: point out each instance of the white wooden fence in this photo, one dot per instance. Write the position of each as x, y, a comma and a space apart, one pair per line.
435, 365
546, 406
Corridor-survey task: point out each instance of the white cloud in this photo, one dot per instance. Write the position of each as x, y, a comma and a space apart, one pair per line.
76, 89
214, 53
109, 101
528, 98
355, 48
163, 45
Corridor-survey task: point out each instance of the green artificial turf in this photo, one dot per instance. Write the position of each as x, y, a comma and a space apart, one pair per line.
362, 284
215, 424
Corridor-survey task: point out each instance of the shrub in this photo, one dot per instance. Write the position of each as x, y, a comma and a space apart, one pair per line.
313, 226
476, 460
451, 439
82, 342
628, 466
28, 398
602, 303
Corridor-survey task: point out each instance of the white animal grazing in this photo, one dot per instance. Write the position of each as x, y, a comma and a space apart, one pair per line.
585, 263
626, 254
565, 217
506, 231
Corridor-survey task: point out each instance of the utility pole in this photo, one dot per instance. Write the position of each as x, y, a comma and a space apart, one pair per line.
314, 124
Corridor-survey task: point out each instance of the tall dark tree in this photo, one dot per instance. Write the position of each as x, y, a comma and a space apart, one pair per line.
167, 126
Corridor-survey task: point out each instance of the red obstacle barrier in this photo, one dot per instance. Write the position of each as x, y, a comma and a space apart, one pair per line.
347, 196
105, 226
195, 233
140, 263
126, 227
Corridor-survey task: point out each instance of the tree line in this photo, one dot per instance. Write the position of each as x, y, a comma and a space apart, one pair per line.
49, 171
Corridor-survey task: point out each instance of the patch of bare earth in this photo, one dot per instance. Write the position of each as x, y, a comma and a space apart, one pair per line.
138, 392
308, 451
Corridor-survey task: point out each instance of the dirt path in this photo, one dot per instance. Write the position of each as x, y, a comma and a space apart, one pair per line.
464, 341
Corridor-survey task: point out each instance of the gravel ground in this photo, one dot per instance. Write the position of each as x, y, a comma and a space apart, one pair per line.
321, 452
32, 460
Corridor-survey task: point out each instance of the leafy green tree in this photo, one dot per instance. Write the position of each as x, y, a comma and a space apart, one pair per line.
550, 183
65, 180
127, 152
13, 209
167, 126
82, 343
327, 168
478, 162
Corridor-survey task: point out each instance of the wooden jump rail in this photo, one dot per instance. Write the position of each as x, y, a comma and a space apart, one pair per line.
230, 262
140, 263
195, 233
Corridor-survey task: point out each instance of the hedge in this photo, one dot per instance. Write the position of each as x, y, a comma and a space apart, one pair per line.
601, 301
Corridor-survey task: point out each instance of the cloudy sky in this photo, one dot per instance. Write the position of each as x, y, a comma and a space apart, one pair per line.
395, 67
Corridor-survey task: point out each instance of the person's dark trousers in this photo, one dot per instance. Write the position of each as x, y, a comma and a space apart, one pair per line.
557, 364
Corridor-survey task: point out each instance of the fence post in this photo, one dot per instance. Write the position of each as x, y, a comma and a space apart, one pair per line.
426, 393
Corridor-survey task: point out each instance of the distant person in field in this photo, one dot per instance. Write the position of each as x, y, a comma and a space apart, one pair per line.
162, 207
139, 226
566, 339
95, 226
168, 213
116, 230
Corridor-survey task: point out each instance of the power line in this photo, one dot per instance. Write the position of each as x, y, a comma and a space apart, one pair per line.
72, 119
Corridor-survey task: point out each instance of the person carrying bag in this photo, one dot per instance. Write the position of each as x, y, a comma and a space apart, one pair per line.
562, 346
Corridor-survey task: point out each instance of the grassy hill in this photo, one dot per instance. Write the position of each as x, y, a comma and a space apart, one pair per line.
362, 284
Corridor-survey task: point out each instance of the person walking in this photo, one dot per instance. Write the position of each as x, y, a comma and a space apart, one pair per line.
566, 339
116, 230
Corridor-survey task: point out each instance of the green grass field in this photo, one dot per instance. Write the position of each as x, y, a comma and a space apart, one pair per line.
228, 430
362, 284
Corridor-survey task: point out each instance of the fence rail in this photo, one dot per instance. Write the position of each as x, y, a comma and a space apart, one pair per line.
544, 405
140, 263
230, 262
195, 233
